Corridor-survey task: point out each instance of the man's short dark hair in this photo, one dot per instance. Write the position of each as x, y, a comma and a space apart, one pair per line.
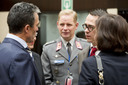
98, 12
20, 15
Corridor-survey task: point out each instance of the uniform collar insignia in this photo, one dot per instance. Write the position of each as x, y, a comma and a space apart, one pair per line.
59, 46
78, 45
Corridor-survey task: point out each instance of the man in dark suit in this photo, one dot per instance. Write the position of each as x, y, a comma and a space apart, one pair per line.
89, 27
37, 61
16, 65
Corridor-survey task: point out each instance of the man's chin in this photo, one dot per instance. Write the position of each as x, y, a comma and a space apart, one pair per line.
66, 38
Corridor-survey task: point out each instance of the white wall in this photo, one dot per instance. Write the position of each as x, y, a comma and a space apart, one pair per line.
3, 25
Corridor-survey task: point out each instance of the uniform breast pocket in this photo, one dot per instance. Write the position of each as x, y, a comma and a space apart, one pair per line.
57, 67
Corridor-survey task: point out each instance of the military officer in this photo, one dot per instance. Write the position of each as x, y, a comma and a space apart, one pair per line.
60, 62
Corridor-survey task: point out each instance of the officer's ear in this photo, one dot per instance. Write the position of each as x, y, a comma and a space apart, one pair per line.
57, 23
77, 24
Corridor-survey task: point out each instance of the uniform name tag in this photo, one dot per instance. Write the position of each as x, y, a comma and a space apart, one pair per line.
58, 62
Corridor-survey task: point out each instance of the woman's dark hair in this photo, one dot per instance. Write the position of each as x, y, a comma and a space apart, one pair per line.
112, 33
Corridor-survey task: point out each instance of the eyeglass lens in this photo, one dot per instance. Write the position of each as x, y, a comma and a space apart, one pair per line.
89, 27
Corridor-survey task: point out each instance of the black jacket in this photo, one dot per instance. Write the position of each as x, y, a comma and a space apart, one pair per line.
37, 61
115, 67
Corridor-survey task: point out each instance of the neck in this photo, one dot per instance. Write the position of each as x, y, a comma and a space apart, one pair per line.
20, 35
93, 44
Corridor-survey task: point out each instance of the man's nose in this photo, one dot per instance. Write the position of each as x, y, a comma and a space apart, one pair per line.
86, 30
65, 27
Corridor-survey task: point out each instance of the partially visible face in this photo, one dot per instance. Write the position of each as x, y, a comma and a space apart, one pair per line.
67, 27
31, 45
90, 20
33, 30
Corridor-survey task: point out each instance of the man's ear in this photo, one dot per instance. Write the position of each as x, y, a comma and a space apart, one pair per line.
77, 24
27, 28
57, 24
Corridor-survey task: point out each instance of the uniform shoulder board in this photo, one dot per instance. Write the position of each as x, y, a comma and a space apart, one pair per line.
48, 43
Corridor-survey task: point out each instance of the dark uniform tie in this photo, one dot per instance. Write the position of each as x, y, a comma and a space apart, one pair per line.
93, 50
69, 48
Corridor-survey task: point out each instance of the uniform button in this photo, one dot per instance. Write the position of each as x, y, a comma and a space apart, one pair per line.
70, 64
56, 71
57, 82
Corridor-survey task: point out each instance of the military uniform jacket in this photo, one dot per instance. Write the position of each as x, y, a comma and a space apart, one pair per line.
55, 61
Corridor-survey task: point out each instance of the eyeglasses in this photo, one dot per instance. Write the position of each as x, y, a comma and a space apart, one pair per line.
89, 27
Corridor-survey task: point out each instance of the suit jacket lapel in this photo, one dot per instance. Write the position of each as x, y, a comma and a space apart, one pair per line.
82, 55
87, 52
36, 73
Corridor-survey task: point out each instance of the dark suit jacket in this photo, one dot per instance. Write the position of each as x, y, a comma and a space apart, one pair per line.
37, 61
115, 69
16, 66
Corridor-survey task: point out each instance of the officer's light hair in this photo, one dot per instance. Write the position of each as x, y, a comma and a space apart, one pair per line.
68, 12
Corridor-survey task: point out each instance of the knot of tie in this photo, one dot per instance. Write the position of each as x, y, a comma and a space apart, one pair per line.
68, 44
69, 48
93, 50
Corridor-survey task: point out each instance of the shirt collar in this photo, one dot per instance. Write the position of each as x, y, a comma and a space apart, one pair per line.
93, 46
18, 39
71, 41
